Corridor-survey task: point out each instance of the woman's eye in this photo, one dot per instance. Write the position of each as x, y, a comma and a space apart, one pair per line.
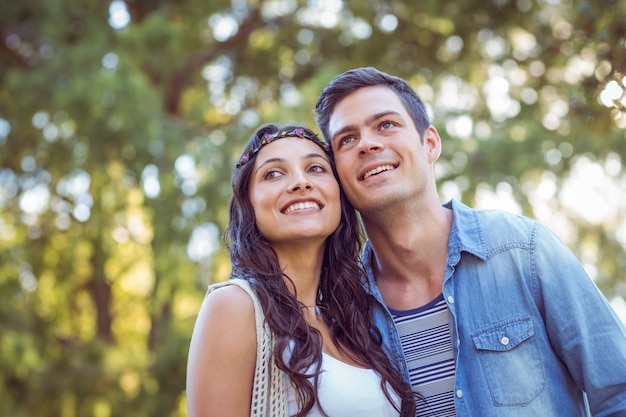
271, 175
318, 169
386, 125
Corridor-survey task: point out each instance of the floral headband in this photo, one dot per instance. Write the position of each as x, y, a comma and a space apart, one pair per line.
288, 133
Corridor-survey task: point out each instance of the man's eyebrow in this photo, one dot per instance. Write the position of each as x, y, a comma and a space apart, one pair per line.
368, 120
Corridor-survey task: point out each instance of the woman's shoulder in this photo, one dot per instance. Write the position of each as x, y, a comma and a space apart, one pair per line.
231, 283
234, 296
222, 352
227, 311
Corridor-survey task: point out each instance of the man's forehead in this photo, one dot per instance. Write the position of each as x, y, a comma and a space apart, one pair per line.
363, 105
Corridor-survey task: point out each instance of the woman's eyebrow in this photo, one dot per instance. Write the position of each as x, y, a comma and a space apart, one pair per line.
312, 155
267, 161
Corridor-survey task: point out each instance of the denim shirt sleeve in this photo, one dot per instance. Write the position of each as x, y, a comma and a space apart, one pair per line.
535, 334
581, 325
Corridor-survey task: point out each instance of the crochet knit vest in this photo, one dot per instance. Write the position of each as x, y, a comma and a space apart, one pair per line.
269, 392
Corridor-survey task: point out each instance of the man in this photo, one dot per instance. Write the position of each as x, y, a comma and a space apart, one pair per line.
488, 313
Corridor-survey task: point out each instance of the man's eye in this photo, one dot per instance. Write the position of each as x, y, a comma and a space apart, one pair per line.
346, 139
386, 125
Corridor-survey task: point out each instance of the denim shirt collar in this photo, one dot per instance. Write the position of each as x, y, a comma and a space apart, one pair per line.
466, 234
466, 238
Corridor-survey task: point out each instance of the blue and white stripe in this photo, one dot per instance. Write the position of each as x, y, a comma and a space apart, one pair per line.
427, 345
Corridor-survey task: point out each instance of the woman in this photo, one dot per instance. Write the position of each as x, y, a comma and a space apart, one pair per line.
291, 332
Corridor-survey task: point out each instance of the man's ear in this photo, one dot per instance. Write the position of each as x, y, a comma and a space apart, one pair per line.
432, 143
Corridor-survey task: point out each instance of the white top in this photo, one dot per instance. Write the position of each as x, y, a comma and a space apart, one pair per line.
348, 391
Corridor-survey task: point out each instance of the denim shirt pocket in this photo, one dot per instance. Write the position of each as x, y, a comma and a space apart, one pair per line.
510, 361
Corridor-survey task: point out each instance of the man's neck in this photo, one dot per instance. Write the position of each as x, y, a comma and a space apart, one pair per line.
409, 255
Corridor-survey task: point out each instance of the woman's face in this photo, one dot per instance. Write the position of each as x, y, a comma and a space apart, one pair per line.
293, 192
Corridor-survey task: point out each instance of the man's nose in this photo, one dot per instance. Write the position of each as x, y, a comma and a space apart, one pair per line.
370, 142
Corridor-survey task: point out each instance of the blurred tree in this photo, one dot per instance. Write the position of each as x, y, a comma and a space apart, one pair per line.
120, 123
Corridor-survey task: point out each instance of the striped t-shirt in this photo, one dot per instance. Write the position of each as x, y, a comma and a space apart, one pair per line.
425, 337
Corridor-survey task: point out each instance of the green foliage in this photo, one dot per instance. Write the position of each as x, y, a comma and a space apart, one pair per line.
117, 145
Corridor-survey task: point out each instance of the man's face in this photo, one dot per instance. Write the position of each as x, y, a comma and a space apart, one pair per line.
378, 152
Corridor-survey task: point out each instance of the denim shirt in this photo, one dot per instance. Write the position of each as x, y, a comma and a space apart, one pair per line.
532, 334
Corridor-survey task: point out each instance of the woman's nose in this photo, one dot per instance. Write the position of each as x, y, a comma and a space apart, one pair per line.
300, 182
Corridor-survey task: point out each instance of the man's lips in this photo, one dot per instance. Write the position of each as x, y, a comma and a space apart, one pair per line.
377, 170
301, 205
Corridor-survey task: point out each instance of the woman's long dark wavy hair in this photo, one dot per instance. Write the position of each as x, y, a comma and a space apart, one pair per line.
344, 303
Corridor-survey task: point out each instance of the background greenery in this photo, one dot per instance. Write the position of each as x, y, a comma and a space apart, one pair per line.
120, 123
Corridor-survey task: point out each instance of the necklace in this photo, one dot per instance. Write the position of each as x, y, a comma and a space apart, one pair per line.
318, 310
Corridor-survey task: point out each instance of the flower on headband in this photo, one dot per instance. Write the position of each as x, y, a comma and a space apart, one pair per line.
271, 137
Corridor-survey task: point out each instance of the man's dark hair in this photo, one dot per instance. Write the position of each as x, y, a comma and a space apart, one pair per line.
350, 81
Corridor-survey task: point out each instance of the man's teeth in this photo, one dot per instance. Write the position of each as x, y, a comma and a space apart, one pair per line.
377, 170
302, 206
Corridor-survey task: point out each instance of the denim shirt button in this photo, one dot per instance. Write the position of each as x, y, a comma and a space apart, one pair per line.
505, 340
451, 299
459, 393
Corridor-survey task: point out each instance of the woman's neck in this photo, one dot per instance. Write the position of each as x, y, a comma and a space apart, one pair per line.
302, 264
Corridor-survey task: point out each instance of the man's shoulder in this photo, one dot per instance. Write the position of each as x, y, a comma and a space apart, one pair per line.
491, 217
492, 228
